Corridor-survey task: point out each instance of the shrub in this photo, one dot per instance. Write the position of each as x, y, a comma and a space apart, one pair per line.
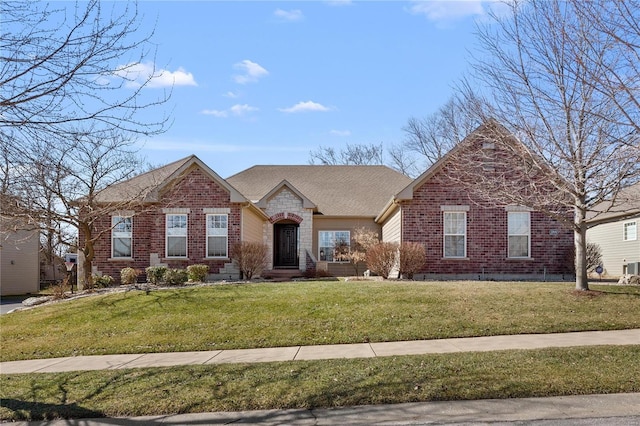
251, 258
155, 274
176, 276
101, 281
412, 259
381, 258
129, 276
60, 288
197, 272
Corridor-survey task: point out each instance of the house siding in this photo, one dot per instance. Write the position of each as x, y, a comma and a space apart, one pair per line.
340, 269
392, 229
19, 262
253, 227
195, 193
616, 253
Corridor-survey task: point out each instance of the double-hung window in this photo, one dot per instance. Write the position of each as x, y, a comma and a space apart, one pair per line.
217, 235
455, 234
121, 236
176, 235
333, 243
519, 224
630, 231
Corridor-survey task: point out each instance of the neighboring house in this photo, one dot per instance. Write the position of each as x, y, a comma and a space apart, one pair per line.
192, 215
19, 259
619, 240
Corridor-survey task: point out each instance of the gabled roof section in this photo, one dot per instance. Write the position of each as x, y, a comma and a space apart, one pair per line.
147, 186
625, 206
491, 127
306, 203
334, 190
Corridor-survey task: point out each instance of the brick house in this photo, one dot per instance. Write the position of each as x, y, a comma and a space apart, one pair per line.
191, 215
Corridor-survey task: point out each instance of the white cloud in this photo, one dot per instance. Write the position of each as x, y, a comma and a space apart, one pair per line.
231, 95
289, 15
305, 107
242, 109
252, 72
341, 132
215, 112
146, 73
448, 10
339, 2
237, 110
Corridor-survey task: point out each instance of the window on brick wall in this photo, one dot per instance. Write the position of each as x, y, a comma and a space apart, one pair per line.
217, 235
630, 231
455, 234
176, 235
121, 236
519, 224
330, 242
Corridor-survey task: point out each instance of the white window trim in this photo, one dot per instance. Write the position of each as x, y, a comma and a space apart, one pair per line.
113, 236
446, 210
348, 231
226, 256
519, 235
625, 237
166, 238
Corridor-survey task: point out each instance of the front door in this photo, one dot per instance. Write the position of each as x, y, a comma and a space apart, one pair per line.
286, 246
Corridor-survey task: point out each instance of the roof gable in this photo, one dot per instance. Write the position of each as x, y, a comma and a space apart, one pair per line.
148, 186
306, 203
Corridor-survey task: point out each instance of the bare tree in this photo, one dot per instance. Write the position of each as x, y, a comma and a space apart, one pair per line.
431, 137
547, 68
358, 154
62, 188
83, 69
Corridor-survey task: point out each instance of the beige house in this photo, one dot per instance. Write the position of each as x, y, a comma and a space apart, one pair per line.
619, 240
19, 261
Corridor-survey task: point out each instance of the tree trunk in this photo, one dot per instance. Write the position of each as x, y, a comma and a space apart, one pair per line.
580, 240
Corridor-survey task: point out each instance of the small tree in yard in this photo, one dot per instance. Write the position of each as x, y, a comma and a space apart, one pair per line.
412, 258
382, 257
251, 258
356, 254
594, 256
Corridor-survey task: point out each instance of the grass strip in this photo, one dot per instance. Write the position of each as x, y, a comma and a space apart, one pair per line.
316, 384
308, 313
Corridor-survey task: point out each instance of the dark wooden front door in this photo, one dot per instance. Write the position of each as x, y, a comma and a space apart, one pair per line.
286, 246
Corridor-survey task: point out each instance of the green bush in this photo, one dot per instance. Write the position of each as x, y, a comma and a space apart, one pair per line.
155, 274
101, 281
197, 272
129, 276
176, 276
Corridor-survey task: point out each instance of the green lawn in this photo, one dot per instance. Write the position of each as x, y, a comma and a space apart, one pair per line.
314, 384
286, 314
305, 313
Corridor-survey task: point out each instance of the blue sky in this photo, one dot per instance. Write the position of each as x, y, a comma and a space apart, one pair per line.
267, 82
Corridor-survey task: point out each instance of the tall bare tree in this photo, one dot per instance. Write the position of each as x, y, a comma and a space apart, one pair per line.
564, 81
356, 154
71, 105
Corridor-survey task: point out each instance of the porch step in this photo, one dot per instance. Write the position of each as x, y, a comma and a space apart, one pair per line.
282, 274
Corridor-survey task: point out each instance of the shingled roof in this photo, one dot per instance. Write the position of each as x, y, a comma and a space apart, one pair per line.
335, 190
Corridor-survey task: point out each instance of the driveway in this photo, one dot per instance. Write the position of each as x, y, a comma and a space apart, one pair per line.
9, 303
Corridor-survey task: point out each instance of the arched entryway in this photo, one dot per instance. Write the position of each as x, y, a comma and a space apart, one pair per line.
285, 245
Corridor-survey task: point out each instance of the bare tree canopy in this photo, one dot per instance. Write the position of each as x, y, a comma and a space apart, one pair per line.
73, 65
357, 154
564, 81
71, 106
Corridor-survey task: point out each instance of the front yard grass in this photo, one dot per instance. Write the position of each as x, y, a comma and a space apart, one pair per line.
308, 313
315, 384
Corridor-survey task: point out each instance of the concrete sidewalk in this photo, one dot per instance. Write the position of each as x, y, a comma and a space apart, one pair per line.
296, 353
614, 409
